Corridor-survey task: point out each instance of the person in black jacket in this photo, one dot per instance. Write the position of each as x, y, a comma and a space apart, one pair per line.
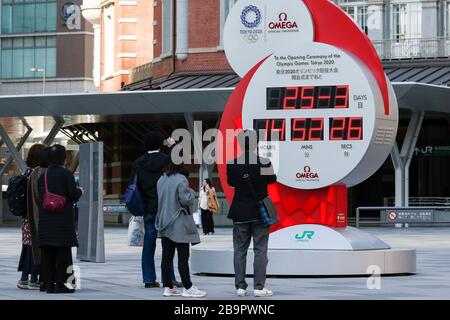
247, 222
149, 169
56, 231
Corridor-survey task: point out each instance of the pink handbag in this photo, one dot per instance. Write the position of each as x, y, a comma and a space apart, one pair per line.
52, 201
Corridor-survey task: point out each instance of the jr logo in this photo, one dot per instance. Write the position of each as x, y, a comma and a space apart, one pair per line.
306, 236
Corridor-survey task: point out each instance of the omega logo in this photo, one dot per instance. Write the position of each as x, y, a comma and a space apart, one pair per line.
283, 23
307, 174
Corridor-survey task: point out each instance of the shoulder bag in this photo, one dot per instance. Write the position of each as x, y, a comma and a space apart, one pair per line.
266, 208
52, 201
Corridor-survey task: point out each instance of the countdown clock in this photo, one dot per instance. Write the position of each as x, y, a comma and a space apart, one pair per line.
317, 107
315, 90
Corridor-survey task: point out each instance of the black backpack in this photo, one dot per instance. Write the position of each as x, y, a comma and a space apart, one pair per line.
17, 194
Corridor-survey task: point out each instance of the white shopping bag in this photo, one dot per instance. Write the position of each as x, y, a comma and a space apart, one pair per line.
197, 218
136, 232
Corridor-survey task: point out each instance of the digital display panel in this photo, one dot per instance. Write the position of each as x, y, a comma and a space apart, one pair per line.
346, 128
273, 129
310, 129
311, 97
307, 129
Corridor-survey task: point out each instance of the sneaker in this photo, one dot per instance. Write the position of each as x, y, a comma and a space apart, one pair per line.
33, 286
177, 284
241, 292
22, 284
263, 293
193, 292
152, 285
171, 292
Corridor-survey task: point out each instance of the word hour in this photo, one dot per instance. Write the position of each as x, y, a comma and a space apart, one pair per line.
310, 129
292, 98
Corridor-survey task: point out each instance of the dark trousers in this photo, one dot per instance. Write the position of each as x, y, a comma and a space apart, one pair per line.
55, 262
207, 221
242, 235
168, 252
148, 254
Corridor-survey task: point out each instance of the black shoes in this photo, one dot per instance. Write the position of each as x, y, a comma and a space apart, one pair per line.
61, 288
58, 288
48, 287
152, 285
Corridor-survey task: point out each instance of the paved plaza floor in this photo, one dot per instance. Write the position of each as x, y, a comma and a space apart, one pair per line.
120, 276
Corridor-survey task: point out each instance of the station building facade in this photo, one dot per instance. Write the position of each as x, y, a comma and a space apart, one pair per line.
178, 44
45, 39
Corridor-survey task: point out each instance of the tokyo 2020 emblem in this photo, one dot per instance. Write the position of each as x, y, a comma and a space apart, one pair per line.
246, 14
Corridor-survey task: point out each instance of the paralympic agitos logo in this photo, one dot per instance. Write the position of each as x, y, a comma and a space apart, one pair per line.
307, 174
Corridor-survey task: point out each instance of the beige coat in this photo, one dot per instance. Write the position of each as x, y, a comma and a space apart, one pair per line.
213, 202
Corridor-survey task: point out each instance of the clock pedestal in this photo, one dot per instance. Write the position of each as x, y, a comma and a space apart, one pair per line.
313, 250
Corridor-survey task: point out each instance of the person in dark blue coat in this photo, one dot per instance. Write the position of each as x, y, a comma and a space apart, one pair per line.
149, 168
56, 232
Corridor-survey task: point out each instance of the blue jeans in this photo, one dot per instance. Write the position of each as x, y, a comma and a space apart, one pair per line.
148, 253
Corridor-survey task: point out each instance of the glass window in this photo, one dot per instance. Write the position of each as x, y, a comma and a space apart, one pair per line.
26, 16
448, 19
225, 8
357, 12
51, 16
350, 11
361, 18
19, 55
18, 18
17, 63
50, 64
6, 18
406, 21
41, 17
167, 27
6, 63
29, 14
28, 63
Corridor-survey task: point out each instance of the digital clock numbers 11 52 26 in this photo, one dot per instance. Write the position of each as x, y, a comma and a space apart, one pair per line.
310, 129
311, 97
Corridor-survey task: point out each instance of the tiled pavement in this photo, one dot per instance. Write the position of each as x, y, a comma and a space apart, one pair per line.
120, 276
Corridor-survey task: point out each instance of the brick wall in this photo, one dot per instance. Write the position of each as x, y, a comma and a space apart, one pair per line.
204, 41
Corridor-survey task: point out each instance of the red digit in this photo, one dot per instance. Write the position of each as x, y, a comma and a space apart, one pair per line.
343, 97
325, 97
298, 130
266, 130
278, 126
337, 128
290, 99
355, 129
307, 97
316, 127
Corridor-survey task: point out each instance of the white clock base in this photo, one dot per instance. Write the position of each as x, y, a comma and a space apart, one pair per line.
302, 251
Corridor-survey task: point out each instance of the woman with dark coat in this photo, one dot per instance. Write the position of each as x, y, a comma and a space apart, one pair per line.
56, 233
28, 264
33, 203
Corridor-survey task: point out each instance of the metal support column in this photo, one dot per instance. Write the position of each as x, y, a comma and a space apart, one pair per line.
14, 150
402, 159
59, 122
90, 207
